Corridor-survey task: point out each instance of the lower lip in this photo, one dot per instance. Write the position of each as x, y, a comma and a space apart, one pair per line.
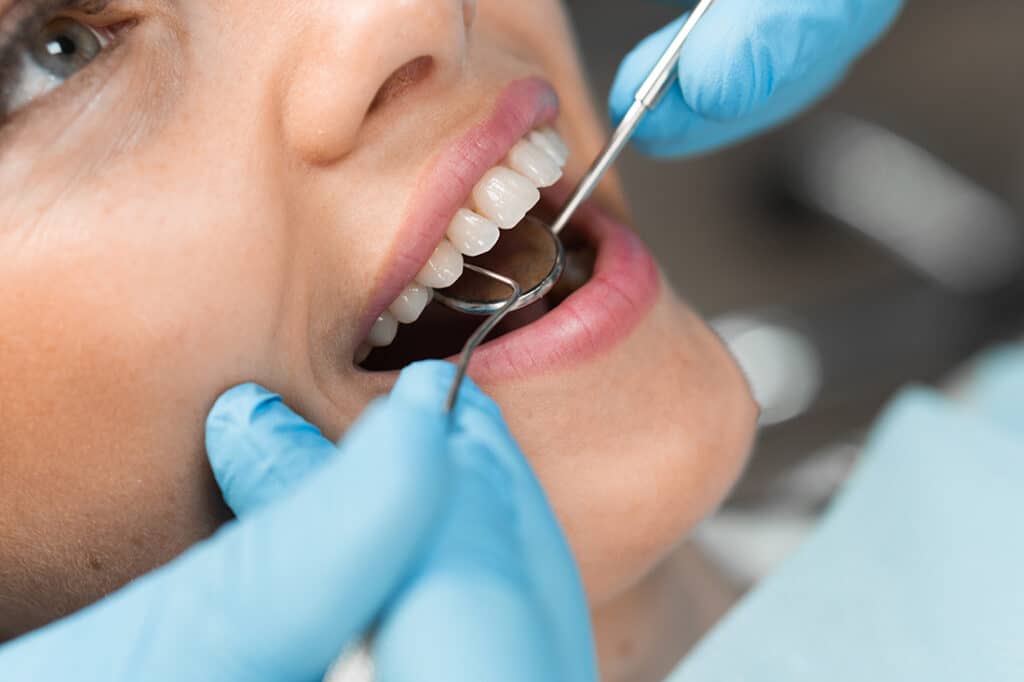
601, 314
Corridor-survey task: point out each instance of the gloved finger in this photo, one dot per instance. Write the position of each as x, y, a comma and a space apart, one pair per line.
279, 593
666, 136
471, 612
259, 449
500, 576
547, 559
744, 53
749, 65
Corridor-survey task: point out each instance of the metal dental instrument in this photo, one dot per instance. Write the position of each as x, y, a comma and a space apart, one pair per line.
662, 77
356, 663
532, 253
527, 250
483, 332
533, 256
536, 255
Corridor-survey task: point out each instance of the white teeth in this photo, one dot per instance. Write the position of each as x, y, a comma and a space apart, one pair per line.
502, 199
443, 268
472, 234
552, 143
411, 303
363, 352
536, 164
384, 331
505, 197
559, 145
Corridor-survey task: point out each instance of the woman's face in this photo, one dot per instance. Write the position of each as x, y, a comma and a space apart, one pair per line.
196, 194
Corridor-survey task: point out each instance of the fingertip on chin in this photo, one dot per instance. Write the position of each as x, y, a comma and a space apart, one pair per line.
237, 409
241, 404
424, 385
427, 384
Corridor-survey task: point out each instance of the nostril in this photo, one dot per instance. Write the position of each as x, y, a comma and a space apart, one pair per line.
407, 76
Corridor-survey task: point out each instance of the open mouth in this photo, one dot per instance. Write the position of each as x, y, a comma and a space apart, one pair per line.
415, 328
508, 166
441, 332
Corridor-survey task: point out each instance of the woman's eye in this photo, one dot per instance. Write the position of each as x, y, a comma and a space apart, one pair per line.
54, 52
64, 47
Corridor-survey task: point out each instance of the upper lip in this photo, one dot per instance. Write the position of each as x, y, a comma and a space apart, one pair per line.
449, 179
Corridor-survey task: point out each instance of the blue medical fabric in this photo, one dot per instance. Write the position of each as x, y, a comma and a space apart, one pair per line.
917, 572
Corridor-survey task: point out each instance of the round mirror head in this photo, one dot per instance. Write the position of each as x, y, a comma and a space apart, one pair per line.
530, 253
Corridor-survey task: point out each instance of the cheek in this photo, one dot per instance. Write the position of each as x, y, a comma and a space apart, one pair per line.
124, 338
104, 474
647, 443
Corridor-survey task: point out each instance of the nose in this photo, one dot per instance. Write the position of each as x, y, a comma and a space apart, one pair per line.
350, 56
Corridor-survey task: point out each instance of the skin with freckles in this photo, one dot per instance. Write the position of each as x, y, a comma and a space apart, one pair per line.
210, 202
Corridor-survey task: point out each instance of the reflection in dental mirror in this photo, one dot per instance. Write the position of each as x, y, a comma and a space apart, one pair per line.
531, 255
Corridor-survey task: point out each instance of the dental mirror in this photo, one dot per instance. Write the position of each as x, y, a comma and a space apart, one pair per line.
530, 255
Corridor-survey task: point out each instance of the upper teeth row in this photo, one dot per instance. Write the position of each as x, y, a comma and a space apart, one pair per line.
501, 199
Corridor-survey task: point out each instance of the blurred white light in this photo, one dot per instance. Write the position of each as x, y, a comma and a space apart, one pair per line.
935, 218
782, 366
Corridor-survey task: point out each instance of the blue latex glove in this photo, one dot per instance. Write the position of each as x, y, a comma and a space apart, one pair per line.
749, 65
328, 539
915, 574
499, 597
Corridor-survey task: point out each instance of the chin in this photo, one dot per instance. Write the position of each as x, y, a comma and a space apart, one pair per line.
636, 444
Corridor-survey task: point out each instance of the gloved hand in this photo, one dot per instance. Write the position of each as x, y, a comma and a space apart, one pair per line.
749, 65
499, 597
329, 539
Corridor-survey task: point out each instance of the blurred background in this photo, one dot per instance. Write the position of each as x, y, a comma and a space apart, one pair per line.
872, 243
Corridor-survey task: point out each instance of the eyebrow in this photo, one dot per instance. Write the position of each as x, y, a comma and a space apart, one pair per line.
32, 7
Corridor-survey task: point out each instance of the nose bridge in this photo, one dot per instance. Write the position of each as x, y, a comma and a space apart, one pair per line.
344, 51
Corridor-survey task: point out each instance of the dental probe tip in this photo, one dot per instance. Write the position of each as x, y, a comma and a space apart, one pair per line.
481, 333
